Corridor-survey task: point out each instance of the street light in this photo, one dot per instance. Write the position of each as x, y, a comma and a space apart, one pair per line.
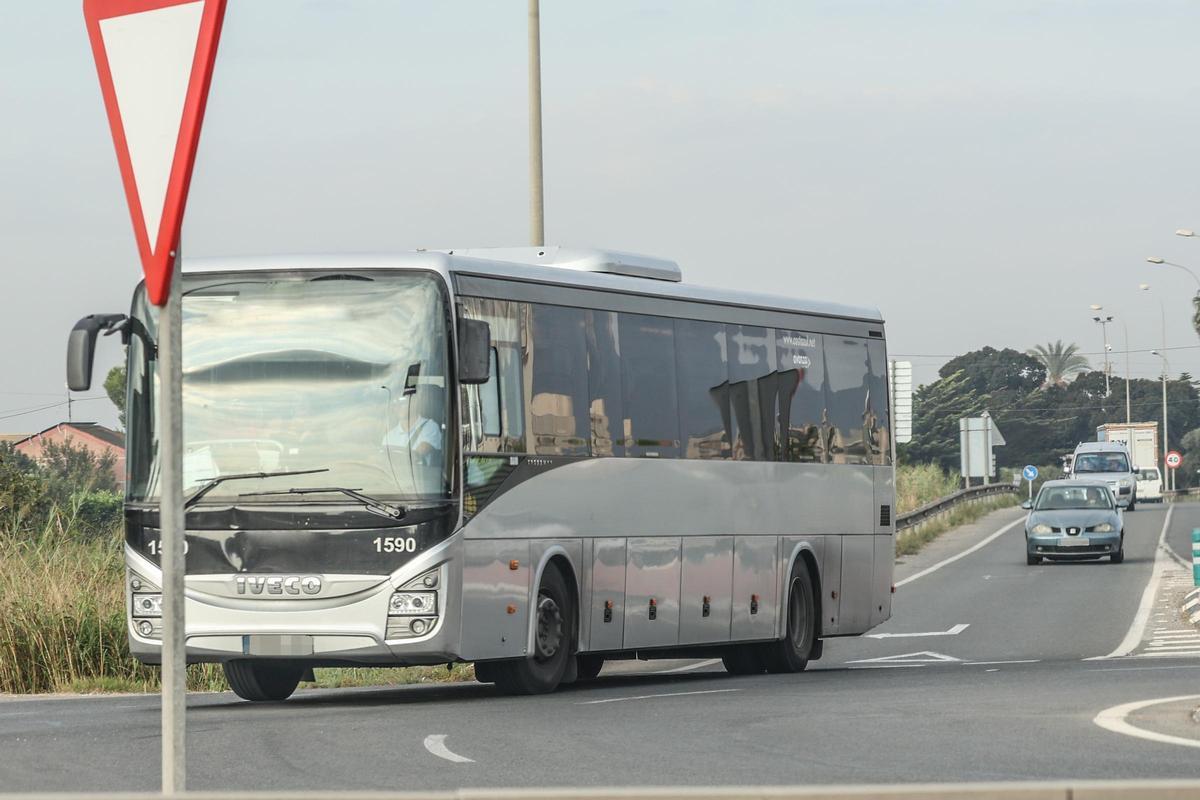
1167, 472
1104, 324
1188, 270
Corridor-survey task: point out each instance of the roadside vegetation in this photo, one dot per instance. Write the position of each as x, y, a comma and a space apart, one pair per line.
62, 613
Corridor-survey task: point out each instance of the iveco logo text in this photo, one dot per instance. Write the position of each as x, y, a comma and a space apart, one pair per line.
278, 584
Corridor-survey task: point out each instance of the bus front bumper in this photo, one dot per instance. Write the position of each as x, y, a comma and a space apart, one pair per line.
348, 623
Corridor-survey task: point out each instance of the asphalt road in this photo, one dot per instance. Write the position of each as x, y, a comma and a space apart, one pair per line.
1014, 665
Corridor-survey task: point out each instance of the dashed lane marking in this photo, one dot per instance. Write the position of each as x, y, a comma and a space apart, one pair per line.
436, 744
923, 657
654, 696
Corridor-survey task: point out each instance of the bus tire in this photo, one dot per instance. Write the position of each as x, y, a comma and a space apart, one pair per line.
588, 666
791, 653
261, 681
554, 620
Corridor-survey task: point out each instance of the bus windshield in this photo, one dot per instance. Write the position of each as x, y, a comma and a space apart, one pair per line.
341, 373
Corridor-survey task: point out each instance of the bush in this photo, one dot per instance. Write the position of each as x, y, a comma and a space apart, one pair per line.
98, 513
918, 484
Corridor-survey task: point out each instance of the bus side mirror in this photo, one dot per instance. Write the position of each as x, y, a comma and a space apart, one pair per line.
474, 351
81, 348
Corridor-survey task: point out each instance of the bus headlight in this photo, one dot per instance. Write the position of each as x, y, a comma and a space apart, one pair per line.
147, 605
409, 604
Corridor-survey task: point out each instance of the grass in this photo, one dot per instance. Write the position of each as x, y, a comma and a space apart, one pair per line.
918, 484
911, 541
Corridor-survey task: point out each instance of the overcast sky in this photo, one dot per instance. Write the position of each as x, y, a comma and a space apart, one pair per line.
980, 171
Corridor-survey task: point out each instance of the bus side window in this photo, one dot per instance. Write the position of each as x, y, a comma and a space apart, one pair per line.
704, 415
804, 435
489, 398
604, 384
879, 431
558, 403
847, 393
651, 427
495, 409
753, 385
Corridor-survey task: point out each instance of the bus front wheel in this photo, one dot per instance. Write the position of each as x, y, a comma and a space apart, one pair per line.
263, 680
554, 623
791, 653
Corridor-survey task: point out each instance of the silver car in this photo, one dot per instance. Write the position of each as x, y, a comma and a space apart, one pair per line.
1074, 520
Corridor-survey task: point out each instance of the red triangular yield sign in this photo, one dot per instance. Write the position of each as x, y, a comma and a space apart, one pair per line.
155, 59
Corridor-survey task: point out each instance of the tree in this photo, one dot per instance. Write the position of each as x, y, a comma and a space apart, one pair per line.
1061, 362
114, 385
70, 469
937, 408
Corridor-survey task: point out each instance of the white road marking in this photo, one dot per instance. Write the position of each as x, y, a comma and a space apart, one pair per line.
1015, 661
886, 666
1141, 669
689, 667
977, 546
1113, 719
436, 744
653, 696
1133, 636
955, 631
923, 657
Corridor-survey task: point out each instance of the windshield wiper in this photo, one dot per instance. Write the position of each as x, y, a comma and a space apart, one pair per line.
198, 495
371, 504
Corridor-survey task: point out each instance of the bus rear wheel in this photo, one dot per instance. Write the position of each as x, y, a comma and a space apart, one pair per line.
263, 680
554, 624
791, 653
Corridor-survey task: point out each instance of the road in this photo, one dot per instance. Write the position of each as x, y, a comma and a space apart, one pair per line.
1025, 660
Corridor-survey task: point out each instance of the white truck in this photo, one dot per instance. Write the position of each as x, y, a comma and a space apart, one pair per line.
1141, 438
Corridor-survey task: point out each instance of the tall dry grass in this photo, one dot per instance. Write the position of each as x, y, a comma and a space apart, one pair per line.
62, 613
918, 484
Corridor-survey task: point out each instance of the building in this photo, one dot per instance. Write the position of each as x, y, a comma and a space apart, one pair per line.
96, 438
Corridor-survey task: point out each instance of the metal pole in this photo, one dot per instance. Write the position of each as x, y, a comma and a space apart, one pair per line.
171, 525
537, 210
1128, 377
1104, 333
1196, 556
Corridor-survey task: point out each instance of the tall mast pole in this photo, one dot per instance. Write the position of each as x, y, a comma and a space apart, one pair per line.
537, 224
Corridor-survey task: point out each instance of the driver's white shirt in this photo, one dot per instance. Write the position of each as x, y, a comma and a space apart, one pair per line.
424, 431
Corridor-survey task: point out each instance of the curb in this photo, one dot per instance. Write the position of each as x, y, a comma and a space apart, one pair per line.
1191, 606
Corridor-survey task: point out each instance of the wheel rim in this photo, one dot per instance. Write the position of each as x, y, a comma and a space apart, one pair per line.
548, 640
798, 617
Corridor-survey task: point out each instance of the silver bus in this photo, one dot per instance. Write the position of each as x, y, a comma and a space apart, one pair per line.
530, 459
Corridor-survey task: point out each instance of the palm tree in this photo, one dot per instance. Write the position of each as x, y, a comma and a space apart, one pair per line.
1061, 362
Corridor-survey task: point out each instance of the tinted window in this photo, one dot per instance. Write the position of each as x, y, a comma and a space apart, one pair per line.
651, 425
754, 386
877, 425
557, 370
703, 389
604, 383
802, 418
846, 391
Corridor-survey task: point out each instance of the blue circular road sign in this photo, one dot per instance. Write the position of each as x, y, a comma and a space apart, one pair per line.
1029, 473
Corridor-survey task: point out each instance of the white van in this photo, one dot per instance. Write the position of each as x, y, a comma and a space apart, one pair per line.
1149, 485
1108, 462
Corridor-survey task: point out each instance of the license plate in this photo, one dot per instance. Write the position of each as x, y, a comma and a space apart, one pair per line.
1074, 541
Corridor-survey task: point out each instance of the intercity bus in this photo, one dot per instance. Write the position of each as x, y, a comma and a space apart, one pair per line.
533, 459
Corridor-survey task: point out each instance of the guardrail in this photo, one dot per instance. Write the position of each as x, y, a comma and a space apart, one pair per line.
944, 504
1182, 495
1011, 790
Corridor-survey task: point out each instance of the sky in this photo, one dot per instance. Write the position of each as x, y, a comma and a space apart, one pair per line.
982, 172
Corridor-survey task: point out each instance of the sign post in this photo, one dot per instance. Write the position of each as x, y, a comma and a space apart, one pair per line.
1030, 474
155, 61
